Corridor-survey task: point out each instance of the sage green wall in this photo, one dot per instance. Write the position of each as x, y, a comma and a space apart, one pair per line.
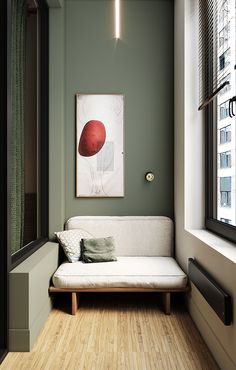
140, 66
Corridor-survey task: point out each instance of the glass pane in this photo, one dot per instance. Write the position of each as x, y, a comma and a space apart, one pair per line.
24, 188
226, 133
30, 129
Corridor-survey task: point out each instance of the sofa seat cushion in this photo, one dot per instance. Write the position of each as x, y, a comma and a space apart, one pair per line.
126, 272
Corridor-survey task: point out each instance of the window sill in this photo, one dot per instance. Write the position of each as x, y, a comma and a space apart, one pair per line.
27, 251
222, 246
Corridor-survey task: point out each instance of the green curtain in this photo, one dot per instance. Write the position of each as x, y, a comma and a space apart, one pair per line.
18, 41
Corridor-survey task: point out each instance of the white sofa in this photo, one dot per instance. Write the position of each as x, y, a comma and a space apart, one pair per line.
145, 263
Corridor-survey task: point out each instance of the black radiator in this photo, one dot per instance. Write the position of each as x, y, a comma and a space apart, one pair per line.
217, 298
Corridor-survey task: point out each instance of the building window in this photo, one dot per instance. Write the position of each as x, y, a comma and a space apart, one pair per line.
224, 36
225, 191
224, 12
225, 198
225, 220
224, 110
225, 159
225, 134
224, 59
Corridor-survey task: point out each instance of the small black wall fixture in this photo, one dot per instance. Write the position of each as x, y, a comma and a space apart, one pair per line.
217, 298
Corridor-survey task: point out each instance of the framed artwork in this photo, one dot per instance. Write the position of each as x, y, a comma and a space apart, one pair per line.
99, 145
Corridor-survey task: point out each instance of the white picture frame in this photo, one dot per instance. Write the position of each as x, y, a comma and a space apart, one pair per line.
99, 145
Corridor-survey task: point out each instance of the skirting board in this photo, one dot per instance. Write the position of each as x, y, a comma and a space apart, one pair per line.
196, 310
22, 340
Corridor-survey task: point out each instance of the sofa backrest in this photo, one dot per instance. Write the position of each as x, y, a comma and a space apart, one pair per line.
134, 235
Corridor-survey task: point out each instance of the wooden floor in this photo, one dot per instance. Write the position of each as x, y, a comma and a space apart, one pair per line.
116, 331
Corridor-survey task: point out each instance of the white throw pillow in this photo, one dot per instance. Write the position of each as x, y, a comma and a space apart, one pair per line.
70, 242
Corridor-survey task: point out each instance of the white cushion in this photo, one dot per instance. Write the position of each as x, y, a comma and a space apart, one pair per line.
134, 235
138, 272
70, 242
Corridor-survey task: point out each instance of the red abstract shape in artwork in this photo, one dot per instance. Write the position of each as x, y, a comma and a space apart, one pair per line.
92, 138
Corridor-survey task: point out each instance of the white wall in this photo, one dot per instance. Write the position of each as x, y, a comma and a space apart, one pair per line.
214, 254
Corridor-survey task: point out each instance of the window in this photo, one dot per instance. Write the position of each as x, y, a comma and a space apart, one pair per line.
224, 59
225, 159
217, 35
224, 11
225, 220
225, 191
28, 148
224, 110
225, 199
225, 134
224, 36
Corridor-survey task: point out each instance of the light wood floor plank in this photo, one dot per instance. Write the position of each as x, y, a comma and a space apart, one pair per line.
116, 332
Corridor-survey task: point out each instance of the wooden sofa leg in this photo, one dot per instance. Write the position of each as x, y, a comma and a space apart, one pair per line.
166, 302
74, 303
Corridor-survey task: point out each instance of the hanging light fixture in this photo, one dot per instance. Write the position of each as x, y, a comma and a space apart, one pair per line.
117, 19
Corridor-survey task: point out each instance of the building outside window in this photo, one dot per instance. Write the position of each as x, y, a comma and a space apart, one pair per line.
224, 36
226, 173
217, 90
225, 198
225, 220
224, 11
225, 134
225, 159
224, 59
225, 191
224, 110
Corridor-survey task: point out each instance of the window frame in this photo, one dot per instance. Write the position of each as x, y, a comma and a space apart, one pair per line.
4, 255
33, 246
218, 227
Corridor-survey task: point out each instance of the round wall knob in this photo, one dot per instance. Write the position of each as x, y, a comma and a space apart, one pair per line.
149, 176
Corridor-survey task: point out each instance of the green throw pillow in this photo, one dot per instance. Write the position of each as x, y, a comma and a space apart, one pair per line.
98, 250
